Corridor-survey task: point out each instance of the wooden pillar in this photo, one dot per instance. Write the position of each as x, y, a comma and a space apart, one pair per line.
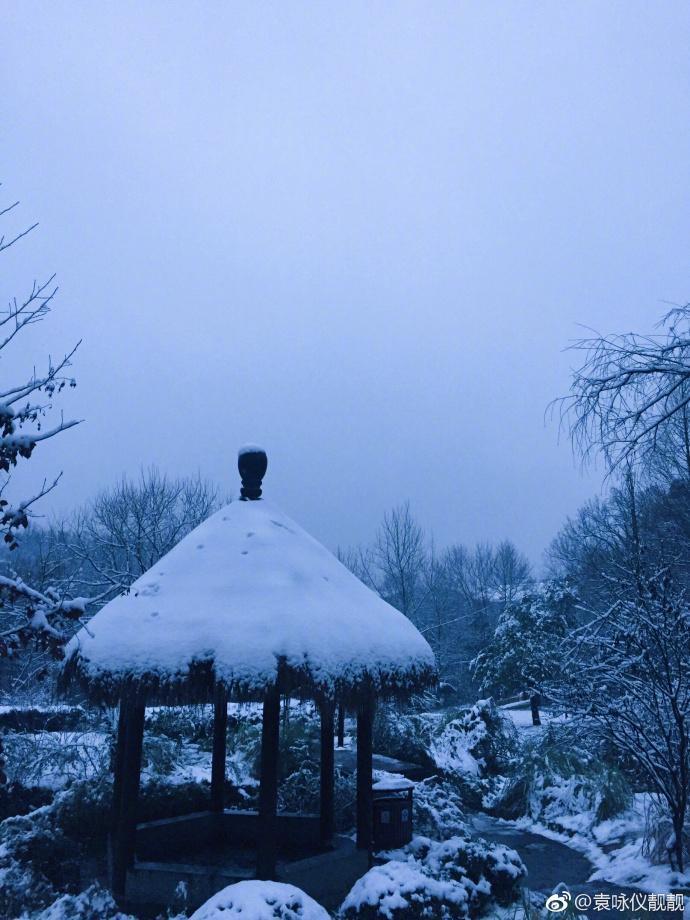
114, 870
118, 761
268, 788
126, 790
220, 726
365, 817
341, 725
327, 777
535, 703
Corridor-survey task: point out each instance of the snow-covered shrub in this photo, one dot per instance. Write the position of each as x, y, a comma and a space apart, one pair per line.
614, 794
300, 793
404, 735
458, 877
173, 733
472, 749
55, 718
658, 832
35, 858
83, 811
160, 798
524, 650
40, 853
400, 890
483, 741
258, 900
437, 810
495, 870
659, 837
300, 740
559, 784
22, 888
178, 741
51, 758
17, 799
95, 902
243, 746
188, 723
161, 755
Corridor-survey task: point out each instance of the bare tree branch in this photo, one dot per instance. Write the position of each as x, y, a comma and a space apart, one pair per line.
629, 390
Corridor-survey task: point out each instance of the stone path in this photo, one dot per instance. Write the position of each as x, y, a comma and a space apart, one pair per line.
550, 863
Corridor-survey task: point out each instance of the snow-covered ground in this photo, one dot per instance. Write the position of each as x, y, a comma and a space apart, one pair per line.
615, 849
522, 718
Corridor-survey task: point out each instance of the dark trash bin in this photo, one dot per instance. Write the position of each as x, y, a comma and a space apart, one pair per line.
392, 813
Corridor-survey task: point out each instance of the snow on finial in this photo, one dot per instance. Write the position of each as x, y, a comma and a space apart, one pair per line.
252, 463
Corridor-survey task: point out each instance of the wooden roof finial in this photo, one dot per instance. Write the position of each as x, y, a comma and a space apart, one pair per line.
252, 463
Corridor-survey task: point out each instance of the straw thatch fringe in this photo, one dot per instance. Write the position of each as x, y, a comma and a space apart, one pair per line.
198, 682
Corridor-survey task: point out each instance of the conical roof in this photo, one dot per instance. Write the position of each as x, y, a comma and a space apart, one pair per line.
248, 598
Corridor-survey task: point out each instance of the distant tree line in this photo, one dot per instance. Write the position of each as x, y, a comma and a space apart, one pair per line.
454, 596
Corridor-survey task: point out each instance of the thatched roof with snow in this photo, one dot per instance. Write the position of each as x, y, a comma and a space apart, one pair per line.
248, 599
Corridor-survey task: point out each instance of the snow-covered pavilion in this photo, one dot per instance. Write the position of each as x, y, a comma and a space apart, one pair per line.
247, 606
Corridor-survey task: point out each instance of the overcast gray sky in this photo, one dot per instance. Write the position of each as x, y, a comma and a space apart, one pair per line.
358, 233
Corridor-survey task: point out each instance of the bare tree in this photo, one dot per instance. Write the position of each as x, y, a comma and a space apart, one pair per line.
630, 391
479, 583
629, 400
512, 572
670, 461
453, 596
635, 529
399, 558
469, 584
472, 576
632, 658
128, 528
359, 560
439, 601
29, 613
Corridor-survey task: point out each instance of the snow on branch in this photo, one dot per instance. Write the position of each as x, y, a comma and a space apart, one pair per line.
44, 615
26, 612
